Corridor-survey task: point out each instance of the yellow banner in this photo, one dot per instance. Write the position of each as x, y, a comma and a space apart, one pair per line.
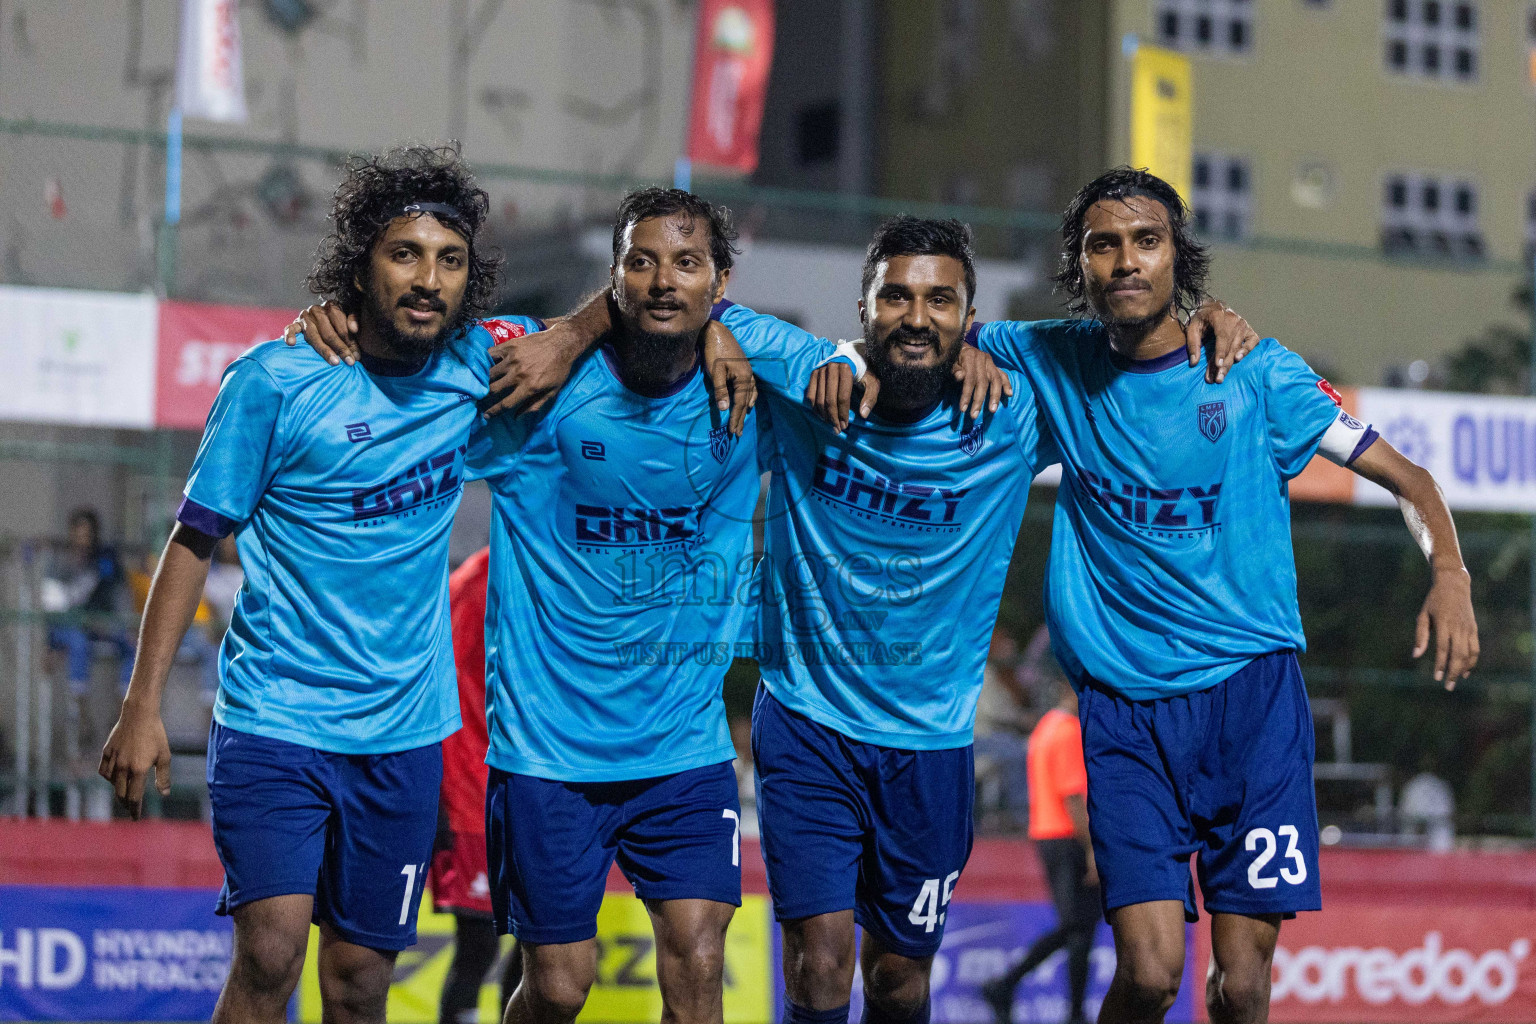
1162, 116
625, 993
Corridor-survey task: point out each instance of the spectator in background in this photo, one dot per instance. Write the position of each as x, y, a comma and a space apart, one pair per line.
1058, 824
1003, 719
459, 883
85, 581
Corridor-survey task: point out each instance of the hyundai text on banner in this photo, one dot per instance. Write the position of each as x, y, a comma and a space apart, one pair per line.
197, 342
78, 357
731, 54
102, 954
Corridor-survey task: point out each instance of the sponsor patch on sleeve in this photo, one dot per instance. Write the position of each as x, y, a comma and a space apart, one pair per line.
503, 331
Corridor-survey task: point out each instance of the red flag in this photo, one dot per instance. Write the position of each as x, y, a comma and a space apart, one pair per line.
731, 55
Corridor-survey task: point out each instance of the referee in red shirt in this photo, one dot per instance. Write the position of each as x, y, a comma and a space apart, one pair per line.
459, 884
1058, 825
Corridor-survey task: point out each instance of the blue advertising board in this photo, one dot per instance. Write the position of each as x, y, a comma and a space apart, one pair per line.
110, 954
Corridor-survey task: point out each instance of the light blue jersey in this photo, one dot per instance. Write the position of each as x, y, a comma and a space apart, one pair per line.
341, 485
1171, 564
886, 550
620, 579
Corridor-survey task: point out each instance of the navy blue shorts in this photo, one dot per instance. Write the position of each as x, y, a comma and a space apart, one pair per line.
854, 826
353, 830
550, 844
1224, 774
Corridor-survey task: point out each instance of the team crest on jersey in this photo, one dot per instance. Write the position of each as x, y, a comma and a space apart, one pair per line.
970, 441
1213, 419
503, 331
720, 442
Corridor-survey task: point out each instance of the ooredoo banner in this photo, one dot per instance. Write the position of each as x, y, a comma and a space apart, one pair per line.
1380, 965
110, 953
197, 341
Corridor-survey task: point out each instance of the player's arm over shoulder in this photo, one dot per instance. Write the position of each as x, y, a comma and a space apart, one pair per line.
1016, 344
782, 355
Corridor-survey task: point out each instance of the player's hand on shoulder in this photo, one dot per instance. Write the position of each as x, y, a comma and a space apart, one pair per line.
1228, 334
136, 748
732, 383
1447, 615
328, 330
831, 392
528, 372
983, 385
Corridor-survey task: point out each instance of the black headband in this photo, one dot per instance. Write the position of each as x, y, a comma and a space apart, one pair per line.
442, 211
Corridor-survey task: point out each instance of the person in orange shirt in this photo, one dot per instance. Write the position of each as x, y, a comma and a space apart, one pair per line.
458, 876
1058, 825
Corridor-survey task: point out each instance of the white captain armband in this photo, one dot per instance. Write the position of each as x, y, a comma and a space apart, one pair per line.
1346, 439
849, 350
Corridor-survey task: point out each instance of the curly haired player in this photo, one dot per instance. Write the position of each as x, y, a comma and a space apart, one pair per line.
336, 685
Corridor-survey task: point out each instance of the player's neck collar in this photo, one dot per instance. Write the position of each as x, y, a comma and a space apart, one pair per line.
392, 367
612, 359
1157, 364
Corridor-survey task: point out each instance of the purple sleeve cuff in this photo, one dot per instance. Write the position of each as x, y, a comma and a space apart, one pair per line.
542, 325
973, 334
1366, 440
719, 308
204, 520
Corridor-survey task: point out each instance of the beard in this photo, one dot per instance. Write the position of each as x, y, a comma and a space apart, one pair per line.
407, 346
1132, 326
650, 358
909, 386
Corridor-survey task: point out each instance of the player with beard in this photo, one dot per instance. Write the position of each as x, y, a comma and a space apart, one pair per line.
862, 730
1171, 596
336, 675
621, 541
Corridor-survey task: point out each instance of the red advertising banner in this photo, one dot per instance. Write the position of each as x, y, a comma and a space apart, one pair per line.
731, 56
1360, 964
196, 342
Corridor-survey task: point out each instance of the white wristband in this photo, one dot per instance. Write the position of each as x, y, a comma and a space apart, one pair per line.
849, 351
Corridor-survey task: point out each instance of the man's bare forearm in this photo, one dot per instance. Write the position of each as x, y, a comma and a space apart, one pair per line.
1425, 512
591, 320
173, 599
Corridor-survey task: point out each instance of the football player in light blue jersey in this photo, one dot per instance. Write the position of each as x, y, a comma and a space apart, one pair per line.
1171, 596
621, 564
336, 675
862, 731
885, 554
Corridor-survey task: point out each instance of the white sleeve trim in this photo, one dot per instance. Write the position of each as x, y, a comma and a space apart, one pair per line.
849, 351
1341, 440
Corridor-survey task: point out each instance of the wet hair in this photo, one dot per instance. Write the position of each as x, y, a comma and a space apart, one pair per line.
647, 203
377, 189
1191, 260
906, 235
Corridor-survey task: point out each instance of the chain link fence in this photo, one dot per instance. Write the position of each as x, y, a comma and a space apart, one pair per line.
82, 207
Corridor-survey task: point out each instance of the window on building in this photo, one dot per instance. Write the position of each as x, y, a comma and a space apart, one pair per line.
1430, 215
1433, 39
1215, 26
1222, 196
